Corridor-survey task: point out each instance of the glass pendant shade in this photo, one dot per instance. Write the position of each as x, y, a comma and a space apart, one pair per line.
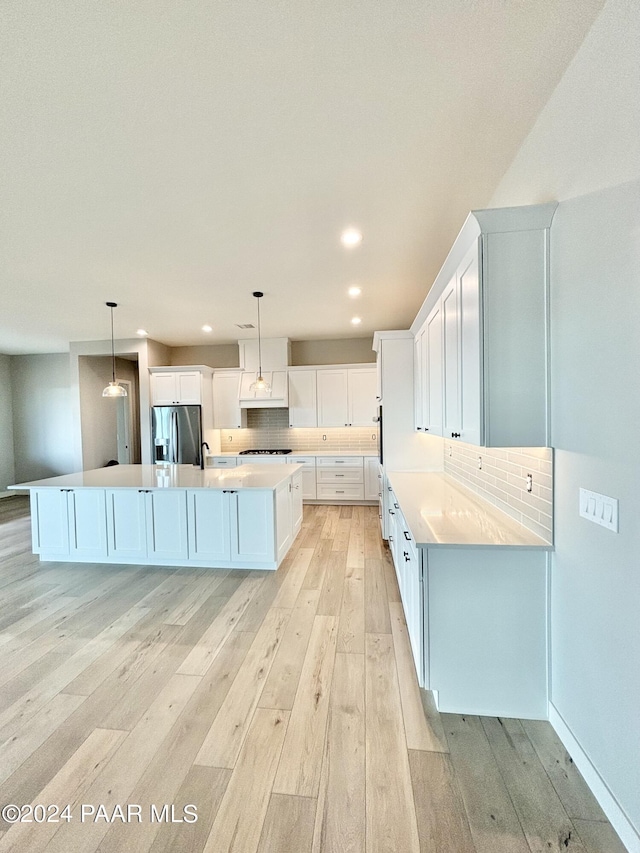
113, 389
260, 384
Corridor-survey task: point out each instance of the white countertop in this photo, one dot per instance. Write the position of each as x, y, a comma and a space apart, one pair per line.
304, 453
440, 512
165, 476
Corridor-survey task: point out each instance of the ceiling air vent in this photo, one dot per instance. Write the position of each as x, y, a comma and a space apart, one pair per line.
245, 326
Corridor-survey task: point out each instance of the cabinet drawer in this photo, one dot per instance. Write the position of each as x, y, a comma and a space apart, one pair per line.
332, 461
221, 462
302, 460
339, 475
340, 493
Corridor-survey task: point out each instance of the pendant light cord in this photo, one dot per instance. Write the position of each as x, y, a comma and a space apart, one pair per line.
113, 351
259, 343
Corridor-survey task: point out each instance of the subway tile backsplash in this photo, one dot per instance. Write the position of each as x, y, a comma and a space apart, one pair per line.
502, 480
269, 428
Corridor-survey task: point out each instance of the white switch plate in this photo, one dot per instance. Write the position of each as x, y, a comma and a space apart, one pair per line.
600, 509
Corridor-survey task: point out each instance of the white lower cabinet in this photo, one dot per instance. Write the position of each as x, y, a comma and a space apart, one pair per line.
308, 474
49, 521
69, 522
407, 562
253, 525
87, 523
144, 523
126, 524
372, 480
209, 528
297, 495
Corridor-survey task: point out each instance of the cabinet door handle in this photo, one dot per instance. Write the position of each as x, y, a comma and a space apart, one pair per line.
339, 475
339, 491
406, 556
418, 427
406, 536
391, 512
397, 506
455, 435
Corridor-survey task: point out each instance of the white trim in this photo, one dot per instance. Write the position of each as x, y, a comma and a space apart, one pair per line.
611, 807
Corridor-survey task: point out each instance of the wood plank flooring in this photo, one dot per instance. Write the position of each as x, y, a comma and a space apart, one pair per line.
283, 705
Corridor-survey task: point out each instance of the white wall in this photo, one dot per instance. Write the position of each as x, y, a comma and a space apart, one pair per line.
585, 151
42, 416
7, 467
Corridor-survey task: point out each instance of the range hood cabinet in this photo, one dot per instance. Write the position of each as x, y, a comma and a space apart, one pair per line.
277, 398
275, 358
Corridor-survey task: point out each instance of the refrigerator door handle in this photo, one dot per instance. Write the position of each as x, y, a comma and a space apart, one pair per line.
174, 436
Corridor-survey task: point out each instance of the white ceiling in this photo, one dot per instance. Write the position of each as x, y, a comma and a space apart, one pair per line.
174, 157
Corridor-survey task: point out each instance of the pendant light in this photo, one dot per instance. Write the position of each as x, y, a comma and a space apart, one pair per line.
261, 383
113, 389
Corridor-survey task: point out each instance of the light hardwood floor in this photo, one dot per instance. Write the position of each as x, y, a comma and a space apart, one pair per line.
283, 705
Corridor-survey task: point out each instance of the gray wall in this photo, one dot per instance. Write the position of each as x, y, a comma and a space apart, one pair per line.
585, 151
217, 355
98, 414
338, 351
7, 467
42, 416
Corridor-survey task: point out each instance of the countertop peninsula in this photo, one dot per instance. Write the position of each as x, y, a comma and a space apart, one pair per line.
442, 513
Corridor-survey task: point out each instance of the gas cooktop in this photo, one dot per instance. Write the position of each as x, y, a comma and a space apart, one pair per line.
264, 452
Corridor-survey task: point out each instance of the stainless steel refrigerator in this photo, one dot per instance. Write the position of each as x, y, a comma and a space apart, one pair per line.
176, 434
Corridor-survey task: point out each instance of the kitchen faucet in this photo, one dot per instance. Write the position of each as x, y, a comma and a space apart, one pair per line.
204, 444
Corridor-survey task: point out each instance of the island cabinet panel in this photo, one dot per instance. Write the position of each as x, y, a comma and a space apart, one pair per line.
126, 523
252, 526
209, 525
50, 521
166, 515
87, 523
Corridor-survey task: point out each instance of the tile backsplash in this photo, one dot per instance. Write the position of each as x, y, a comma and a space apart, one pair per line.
270, 428
502, 480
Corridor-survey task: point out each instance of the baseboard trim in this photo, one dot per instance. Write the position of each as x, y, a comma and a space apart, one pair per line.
610, 806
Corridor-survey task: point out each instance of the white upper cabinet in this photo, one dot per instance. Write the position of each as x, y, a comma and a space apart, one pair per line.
432, 391
347, 396
333, 405
227, 413
420, 384
176, 388
481, 337
303, 398
362, 387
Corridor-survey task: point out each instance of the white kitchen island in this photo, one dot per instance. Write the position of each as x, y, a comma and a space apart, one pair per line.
170, 515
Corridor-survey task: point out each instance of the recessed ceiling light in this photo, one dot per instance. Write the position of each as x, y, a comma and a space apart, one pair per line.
354, 291
351, 237
142, 332
207, 328
355, 321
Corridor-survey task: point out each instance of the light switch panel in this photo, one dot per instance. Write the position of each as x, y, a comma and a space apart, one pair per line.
600, 509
